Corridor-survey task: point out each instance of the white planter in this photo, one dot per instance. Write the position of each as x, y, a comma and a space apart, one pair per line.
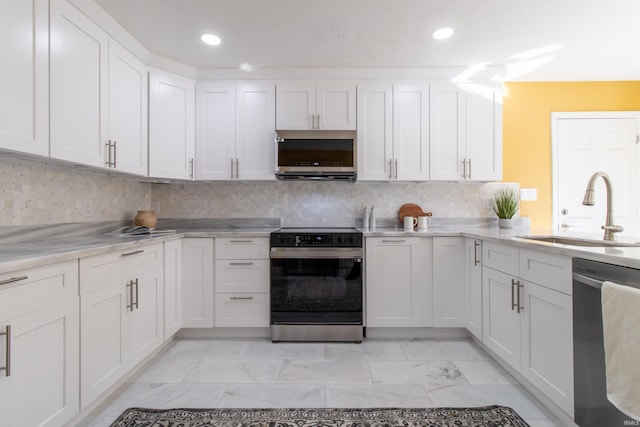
505, 222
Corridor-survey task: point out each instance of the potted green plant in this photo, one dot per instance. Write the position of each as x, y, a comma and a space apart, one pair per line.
505, 204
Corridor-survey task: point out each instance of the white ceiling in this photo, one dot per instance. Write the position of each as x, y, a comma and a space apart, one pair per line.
534, 40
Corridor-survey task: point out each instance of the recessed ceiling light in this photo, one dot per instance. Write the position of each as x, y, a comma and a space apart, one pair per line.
211, 39
442, 33
246, 67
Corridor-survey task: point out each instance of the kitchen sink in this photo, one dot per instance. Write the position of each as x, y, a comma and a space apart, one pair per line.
578, 241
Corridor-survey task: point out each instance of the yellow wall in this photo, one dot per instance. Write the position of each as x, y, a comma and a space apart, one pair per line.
527, 130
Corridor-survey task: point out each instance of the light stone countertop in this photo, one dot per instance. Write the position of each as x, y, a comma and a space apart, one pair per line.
18, 255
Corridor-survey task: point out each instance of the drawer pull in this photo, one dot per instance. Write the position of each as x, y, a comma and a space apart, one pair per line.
7, 350
133, 253
476, 245
394, 241
240, 263
241, 298
241, 241
130, 287
137, 293
13, 280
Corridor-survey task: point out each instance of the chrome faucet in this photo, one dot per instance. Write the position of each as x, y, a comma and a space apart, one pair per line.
589, 200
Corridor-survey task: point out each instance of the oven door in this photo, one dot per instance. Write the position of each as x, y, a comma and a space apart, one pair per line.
316, 286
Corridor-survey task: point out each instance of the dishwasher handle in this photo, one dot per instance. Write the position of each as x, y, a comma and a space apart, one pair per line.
586, 280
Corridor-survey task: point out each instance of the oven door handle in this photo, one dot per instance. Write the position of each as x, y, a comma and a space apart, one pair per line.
317, 253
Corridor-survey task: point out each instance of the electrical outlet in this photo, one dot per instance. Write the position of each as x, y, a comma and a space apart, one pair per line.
528, 194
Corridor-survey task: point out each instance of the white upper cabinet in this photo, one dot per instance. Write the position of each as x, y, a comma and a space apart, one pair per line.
24, 77
466, 133
78, 93
410, 161
235, 131
128, 103
171, 125
323, 106
375, 132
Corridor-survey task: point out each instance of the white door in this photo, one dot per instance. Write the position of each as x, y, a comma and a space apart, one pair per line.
473, 286
197, 283
78, 91
448, 282
447, 145
411, 132
146, 319
336, 106
585, 143
128, 103
24, 76
484, 135
172, 287
215, 131
295, 106
171, 125
375, 132
255, 132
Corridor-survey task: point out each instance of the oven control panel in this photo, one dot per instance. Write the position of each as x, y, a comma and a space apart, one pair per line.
334, 240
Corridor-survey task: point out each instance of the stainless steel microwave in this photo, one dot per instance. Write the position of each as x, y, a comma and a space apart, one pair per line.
316, 155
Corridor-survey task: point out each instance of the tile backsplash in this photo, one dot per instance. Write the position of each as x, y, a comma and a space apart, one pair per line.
313, 203
34, 192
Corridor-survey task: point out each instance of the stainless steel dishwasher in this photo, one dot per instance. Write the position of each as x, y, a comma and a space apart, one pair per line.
592, 409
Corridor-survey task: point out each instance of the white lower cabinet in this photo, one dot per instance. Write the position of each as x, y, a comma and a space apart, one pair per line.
121, 313
197, 283
473, 286
448, 282
172, 287
398, 281
39, 346
242, 282
529, 324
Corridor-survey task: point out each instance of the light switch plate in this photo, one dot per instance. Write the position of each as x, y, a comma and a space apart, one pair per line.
528, 194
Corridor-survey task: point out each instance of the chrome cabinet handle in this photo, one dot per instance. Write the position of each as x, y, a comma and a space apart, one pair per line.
231, 168
191, 168
115, 153
130, 287
390, 169
240, 263
240, 241
476, 245
513, 303
133, 253
241, 298
396, 170
13, 280
7, 351
109, 163
469, 169
137, 294
464, 168
237, 169
318, 121
394, 241
519, 307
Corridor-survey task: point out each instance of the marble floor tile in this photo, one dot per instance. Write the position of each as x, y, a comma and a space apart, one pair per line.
515, 397
377, 396
427, 349
324, 372
235, 371
273, 396
432, 373
206, 349
265, 349
165, 371
367, 350
484, 372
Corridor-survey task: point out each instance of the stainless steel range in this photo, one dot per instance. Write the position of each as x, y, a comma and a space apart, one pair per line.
316, 285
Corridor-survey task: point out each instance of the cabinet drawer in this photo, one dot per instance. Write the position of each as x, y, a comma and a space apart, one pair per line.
242, 310
31, 289
242, 275
100, 270
242, 248
551, 271
500, 257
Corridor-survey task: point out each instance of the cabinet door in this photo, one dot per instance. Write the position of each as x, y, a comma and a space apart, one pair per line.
448, 282
128, 102
295, 106
197, 283
375, 132
172, 287
255, 132
501, 322
398, 285
104, 340
447, 133
171, 125
242, 310
473, 286
411, 132
43, 386
547, 343
336, 106
147, 317
215, 131
78, 90
24, 76
484, 134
